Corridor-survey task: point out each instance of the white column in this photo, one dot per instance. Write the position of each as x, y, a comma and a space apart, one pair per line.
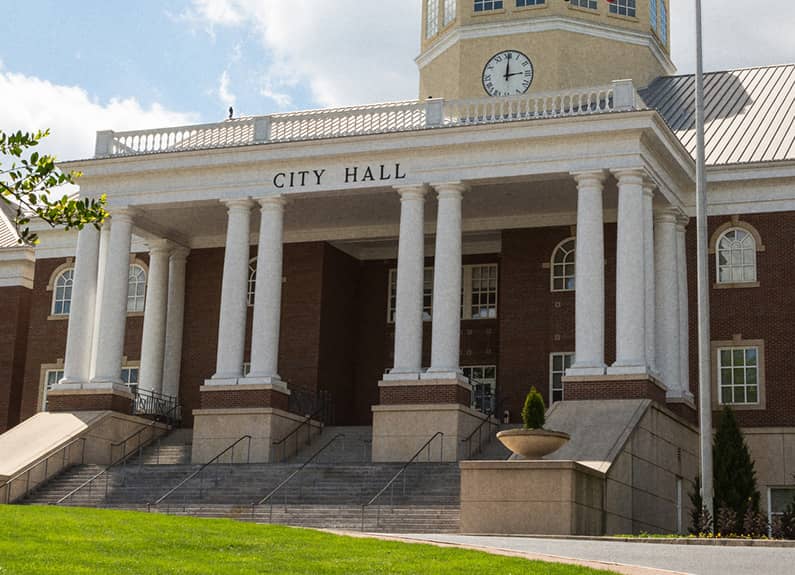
104, 242
630, 276
234, 294
175, 317
77, 363
684, 317
410, 283
667, 299
154, 333
446, 330
649, 275
589, 277
114, 301
268, 295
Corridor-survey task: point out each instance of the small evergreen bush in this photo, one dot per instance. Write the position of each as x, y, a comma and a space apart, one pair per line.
533, 412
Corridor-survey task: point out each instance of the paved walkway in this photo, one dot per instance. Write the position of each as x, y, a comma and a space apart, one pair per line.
690, 559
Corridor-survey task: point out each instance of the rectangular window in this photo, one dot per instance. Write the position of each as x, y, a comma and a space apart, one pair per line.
738, 375
663, 22
484, 386
520, 3
449, 11
51, 379
432, 18
486, 5
779, 498
623, 8
653, 14
558, 364
590, 4
482, 297
427, 295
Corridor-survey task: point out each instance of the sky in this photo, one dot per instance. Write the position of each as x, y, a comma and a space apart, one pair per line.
81, 66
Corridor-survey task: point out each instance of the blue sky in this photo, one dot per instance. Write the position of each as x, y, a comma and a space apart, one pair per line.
94, 65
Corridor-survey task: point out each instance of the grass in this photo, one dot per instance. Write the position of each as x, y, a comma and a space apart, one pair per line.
44, 540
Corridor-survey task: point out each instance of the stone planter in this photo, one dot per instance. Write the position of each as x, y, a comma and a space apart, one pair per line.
533, 443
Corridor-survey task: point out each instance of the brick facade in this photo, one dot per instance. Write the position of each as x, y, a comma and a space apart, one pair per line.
424, 394
89, 402
335, 336
243, 398
641, 388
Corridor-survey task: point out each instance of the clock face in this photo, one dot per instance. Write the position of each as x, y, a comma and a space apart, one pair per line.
508, 73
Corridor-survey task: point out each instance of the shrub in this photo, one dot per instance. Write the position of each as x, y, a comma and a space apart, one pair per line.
700, 516
755, 524
726, 522
533, 412
735, 476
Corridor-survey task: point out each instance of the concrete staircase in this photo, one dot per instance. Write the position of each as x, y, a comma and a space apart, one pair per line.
494, 450
172, 449
326, 494
355, 446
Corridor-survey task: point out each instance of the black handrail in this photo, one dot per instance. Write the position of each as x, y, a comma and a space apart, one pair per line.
468, 440
124, 457
203, 467
307, 421
297, 471
46, 460
402, 470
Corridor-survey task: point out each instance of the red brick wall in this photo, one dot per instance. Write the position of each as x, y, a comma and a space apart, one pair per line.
14, 315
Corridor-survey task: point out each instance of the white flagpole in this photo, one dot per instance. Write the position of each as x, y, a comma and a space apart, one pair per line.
704, 351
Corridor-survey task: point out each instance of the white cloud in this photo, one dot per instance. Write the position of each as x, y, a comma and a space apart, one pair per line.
347, 52
224, 92
28, 103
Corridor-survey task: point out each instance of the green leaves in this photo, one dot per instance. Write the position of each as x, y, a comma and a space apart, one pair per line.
30, 184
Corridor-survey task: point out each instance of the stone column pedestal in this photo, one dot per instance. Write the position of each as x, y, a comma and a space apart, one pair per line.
90, 397
411, 411
578, 388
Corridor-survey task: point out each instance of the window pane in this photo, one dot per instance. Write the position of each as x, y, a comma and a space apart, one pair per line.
725, 357
751, 395
726, 395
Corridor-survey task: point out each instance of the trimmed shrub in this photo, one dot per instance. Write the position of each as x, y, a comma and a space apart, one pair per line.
534, 410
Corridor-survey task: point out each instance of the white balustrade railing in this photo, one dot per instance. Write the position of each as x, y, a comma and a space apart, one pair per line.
375, 119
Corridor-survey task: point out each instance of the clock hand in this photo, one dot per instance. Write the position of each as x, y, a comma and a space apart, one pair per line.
513, 74
508, 69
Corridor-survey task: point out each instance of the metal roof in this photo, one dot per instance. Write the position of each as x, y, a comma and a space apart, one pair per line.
750, 113
8, 233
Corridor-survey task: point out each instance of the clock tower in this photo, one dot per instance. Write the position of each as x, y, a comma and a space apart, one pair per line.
477, 48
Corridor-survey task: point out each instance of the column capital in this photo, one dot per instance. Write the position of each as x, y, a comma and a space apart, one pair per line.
451, 189
682, 220
649, 186
631, 175
238, 204
123, 214
180, 253
159, 246
592, 178
416, 192
272, 203
667, 215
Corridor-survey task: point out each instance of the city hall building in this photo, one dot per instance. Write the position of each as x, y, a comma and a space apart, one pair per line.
416, 267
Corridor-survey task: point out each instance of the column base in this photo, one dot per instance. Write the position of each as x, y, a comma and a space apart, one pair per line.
613, 386
90, 397
214, 430
244, 396
586, 370
629, 369
683, 404
429, 389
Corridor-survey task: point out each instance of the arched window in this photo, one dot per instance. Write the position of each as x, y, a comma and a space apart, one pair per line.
252, 280
562, 277
736, 253
62, 292
432, 18
136, 289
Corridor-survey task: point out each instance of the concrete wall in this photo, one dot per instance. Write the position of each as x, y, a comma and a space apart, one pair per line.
773, 452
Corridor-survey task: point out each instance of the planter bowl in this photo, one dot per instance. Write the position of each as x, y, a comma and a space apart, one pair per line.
533, 443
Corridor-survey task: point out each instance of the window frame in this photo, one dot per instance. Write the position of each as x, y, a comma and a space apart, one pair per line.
770, 489
530, 3
427, 295
449, 12
590, 5
653, 15
663, 27
719, 251
490, 381
132, 305
565, 355
61, 272
614, 8
737, 344
553, 265
431, 18
251, 294
493, 6
46, 387
467, 291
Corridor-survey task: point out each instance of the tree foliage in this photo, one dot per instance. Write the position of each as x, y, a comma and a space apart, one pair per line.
29, 185
735, 476
533, 412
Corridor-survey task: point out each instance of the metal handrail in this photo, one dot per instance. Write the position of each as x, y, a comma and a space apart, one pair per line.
123, 459
46, 461
402, 470
307, 421
297, 471
478, 430
205, 466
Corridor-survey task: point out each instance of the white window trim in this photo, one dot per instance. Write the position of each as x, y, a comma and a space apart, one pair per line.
466, 283
57, 276
552, 372
552, 275
739, 343
755, 250
145, 269
251, 284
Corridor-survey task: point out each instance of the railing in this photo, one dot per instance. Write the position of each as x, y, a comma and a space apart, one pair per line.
200, 471
161, 407
121, 460
292, 476
33, 475
402, 473
320, 414
489, 422
375, 119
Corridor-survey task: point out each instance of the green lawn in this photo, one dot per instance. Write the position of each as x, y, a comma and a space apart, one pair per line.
38, 540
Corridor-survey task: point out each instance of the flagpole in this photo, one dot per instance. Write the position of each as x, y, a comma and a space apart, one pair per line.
704, 350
